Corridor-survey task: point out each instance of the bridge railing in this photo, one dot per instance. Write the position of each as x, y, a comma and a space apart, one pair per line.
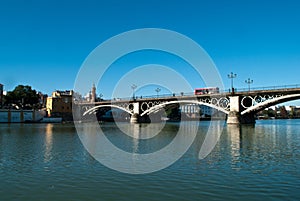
268, 88
180, 94
157, 96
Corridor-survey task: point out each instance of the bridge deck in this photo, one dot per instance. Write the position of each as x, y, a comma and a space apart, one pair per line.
284, 91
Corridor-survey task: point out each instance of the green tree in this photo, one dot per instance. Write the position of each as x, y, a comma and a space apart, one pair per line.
23, 96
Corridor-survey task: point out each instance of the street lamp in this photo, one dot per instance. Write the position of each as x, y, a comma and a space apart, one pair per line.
232, 76
133, 87
157, 91
249, 81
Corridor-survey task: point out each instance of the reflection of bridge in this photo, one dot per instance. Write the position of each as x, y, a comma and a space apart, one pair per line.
240, 107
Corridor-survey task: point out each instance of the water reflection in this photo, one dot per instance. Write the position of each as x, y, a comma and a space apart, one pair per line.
245, 164
139, 160
234, 133
211, 139
136, 131
48, 142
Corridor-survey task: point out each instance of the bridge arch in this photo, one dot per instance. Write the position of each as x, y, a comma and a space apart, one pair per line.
162, 105
89, 111
263, 105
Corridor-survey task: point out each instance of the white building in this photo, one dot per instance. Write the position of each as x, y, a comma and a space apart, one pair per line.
197, 109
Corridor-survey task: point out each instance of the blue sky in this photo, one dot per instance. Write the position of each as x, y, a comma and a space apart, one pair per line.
44, 43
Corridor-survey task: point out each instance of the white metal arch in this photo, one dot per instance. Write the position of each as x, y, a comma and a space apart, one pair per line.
91, 110
160, 106
271, 102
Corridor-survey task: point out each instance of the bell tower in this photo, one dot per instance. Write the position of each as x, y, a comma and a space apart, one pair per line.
93, 94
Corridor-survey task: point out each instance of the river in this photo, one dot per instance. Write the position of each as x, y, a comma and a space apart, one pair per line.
49, 162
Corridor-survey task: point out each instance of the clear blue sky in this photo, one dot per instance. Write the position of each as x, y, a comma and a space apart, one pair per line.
44, 43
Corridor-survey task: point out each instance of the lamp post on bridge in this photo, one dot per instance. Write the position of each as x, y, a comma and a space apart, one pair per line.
133, 87
157, 91
249, 81
232, 76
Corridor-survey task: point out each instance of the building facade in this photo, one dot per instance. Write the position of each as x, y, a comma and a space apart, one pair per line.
194, 110
60, 104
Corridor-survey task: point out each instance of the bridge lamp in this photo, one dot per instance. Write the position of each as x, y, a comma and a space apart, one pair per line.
133, 87
249, 81
157, 91
232, 76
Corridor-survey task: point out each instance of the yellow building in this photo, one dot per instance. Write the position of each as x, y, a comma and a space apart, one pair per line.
60, 104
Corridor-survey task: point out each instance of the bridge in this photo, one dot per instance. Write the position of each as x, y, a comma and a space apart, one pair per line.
240, 106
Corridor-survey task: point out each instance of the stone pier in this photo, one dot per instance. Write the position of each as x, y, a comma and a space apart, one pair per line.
234, 116
135, 118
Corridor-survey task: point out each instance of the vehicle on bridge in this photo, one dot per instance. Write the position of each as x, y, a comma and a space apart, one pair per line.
206, 90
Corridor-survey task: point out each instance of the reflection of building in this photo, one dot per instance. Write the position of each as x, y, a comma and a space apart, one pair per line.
1, 95
60, 104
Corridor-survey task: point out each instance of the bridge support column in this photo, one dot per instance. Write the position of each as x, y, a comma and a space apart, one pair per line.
235, 117
135, 118
234, 114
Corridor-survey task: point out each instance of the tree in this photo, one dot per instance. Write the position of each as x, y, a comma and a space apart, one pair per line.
23, 96
283, 112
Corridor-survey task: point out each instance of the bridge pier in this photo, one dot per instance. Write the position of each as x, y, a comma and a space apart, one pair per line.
234, 116
135, 118
247, 119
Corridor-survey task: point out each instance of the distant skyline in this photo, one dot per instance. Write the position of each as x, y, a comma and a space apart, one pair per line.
44, 43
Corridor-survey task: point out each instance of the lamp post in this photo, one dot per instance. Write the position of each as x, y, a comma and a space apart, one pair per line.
232, 76
249, 81
133, 87
157, 91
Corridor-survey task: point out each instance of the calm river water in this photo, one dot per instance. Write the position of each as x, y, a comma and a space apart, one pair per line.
49, 162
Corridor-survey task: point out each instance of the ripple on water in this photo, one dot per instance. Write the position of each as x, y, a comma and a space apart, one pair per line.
42, 162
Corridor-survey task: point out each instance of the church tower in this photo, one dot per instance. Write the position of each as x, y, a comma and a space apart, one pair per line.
93, 94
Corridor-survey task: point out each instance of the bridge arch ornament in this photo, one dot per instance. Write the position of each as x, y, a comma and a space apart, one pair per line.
93, 109
250, 101
267, 101
219, 105
147, 105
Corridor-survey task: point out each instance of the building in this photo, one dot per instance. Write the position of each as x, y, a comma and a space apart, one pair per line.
194, 110
1, 95
42, 99
91, 96
60, 104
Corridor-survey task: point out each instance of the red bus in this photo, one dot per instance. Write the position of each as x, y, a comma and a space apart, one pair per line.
206, 90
